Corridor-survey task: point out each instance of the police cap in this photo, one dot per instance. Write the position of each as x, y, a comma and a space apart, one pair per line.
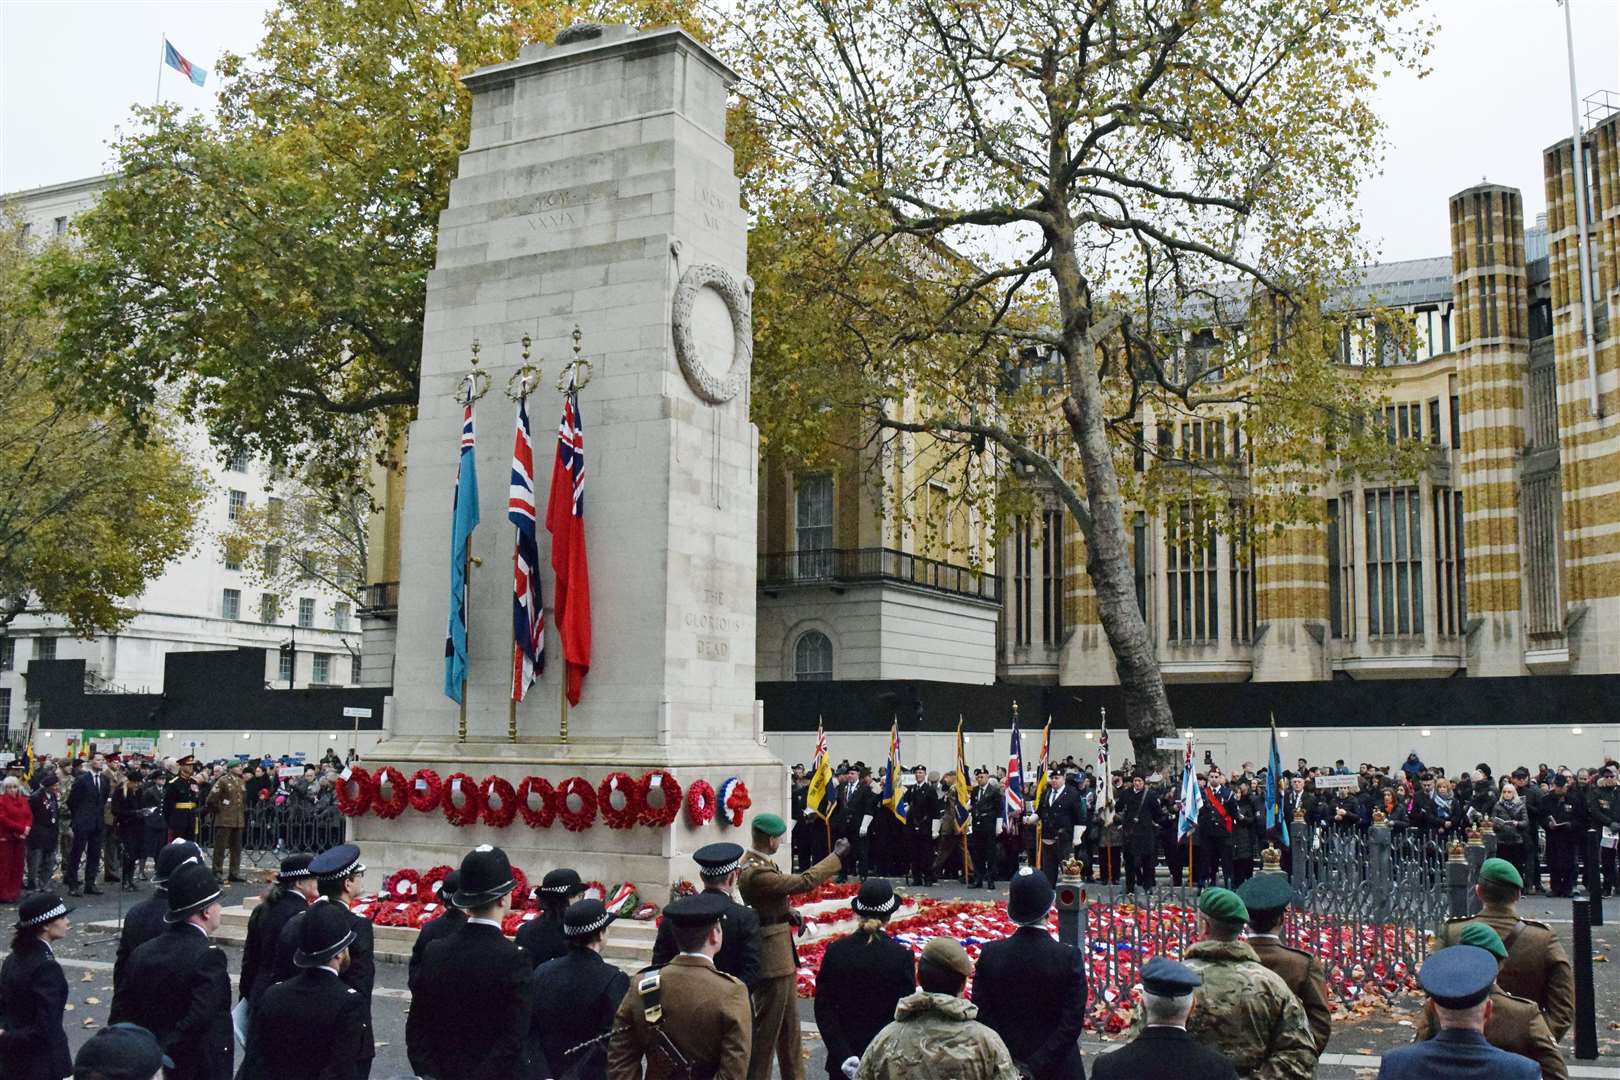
700, 909
1458, 977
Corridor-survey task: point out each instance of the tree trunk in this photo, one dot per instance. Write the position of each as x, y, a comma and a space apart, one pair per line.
1147, 709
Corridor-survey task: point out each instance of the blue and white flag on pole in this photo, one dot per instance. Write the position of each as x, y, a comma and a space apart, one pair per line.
1192, 800
1274, 789
463, 520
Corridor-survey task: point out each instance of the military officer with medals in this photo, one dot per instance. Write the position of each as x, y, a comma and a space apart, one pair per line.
688, 1015
144, 921
1267, 898
470, 1006
767, 890
576, 997
312, 1025
1537, 966
177, 985
182, 801
1514, 1024
719, 866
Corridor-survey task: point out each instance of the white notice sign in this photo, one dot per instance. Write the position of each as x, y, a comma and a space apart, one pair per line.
1170, 744
1338, 780
357, 712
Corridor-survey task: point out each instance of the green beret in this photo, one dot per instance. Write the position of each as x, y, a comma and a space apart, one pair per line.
769, 824
1500, 872
1223, 905
1267, 892
1482, 936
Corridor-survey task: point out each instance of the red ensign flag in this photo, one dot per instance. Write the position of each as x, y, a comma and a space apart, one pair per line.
565, 521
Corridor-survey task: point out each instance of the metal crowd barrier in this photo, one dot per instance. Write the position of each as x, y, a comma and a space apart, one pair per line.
270, 833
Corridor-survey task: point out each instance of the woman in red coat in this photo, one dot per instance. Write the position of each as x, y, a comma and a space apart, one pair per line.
16, 818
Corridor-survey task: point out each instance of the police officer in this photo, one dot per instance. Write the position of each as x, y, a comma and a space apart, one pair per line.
1515, 1024
182, 801
449, 919
312, 1025
122, 1052
1458, 982
767, 890
1267, 898
719, 866
864, 975
1537, 966
144, 921
575, 998
542, 938
177, 985
1030, 989
290, 894
470, 1007
34, 993
688, 1011
1245, 1010
1164, 1050
338, 876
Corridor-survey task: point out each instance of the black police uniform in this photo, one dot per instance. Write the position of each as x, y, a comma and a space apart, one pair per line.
445, 925
739, 951
33, 998
575, 997
263, 935
862, 978
177, 986
1031, 990
311, 1026
142, 923
470, 1008
541, 938
360, 974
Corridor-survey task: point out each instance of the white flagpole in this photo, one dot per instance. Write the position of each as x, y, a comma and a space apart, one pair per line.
163, 56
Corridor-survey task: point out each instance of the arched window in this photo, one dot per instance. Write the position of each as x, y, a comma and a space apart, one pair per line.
812, 658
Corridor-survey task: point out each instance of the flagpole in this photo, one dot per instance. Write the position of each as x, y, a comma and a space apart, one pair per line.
466, 606
163, 53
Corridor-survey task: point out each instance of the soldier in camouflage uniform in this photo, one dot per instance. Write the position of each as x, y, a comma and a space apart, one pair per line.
935, 1032
1244, 1010
1514, 1024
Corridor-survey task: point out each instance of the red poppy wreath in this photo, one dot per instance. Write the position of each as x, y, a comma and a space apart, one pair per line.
541, 789
618, 817
699, 803
497, 790
398, 794
426, 791
467, 788
357, 779
572, 788
659, 816
404, 885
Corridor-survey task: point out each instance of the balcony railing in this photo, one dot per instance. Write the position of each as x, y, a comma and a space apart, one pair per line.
381, 599
852, 566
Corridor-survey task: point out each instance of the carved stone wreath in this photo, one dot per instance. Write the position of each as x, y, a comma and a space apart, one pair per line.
715, 389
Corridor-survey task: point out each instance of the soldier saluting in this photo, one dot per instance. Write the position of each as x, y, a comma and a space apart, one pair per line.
767, 890
687, 1018
719, 865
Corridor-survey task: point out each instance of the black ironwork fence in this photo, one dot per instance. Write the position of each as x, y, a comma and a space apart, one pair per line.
270, 833
860, 565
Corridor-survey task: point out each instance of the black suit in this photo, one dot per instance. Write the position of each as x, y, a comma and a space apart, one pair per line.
575, 997
542, 938
87, 802
178, 988
311, 1026
1138, 815
470, 1008
360, 974
923, 808
142, 923
33, 999
986, 810
263, 935
862, 979
1031, 990
1162, 1053
739, 951
445, 925
1060, 815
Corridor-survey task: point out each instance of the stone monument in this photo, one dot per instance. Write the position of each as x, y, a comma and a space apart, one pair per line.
596, 191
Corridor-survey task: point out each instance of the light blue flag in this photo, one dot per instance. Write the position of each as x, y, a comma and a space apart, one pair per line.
463, 520
1274, 788
1192, 801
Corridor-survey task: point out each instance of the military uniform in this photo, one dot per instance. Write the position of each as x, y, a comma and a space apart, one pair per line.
739, 954
1537, 967
182, 803
705, 1014
1305, 977
1247, 1012
936, 1035
1515, 1025
766, 889
1457, 979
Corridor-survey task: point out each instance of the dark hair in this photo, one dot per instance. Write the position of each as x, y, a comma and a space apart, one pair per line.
331, 888
939, 980
26, 934
692, 938
1263, 921
586, 940
1494, 892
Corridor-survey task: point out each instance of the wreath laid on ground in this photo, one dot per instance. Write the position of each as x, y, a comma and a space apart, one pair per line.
619, 817
426, 790
467, 812
734, 801
520, 894
358, 803
576, 820
659, 816
497, 789
540, 787
399, 795
404, 885
431, 884
699, 803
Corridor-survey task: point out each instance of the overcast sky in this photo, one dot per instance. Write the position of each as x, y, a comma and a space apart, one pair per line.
1498, 95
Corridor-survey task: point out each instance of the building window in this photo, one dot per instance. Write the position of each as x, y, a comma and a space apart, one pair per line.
1052, 578
1434, 421
233, 561
238, 461
813, 525
342, 611
812, 657
308, 564
1241, 574
1022, 605
1448, 550
1203, 440
1456, 422
1341, 566
322, 672
1541, 528
272, 560
230, 604
44, 648
1394, 545
60, 226
273, 510
1544, 406
8, 653
269, 607
5, 715
238, 503
284, 669
306, 611
1403, 422
354, 670
1139, 557
1190, 571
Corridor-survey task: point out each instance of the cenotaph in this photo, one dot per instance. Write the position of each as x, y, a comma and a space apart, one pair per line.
596, 191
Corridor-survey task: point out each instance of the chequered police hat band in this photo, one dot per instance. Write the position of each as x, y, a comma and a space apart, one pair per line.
356, 867
294, 875
588, 928
886, 908
719, 871
561, 889
39, 920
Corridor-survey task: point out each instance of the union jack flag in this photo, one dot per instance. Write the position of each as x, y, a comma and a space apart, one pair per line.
528, 609
1013, 806
565, 521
